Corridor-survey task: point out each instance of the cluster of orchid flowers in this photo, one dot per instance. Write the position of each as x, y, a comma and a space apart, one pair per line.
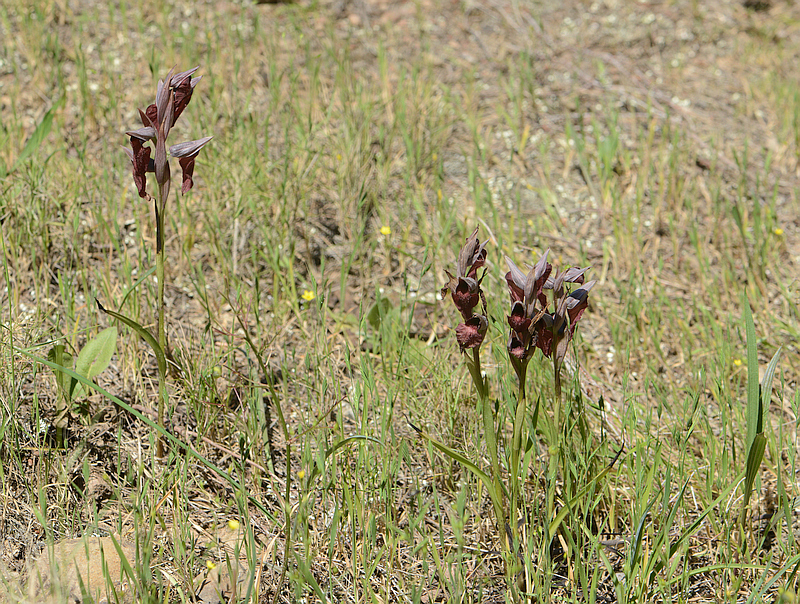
465, 289
534, 323
536, 320
172, 97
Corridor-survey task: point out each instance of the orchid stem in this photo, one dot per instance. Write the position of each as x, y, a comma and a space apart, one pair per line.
516, 446
555, 432
162, 333
491, 440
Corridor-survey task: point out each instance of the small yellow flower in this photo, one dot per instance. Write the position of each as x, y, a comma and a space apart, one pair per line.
301, 474
308, 295
737, 362
386, 230
434, 157
439, 194
338, 157
233, 525
778, 231
210, 565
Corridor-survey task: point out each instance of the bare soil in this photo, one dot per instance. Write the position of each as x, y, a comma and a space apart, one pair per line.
703, 73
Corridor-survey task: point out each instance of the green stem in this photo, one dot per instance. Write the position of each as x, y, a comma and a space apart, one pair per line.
516, 446
491, 440
163, 397
555, 434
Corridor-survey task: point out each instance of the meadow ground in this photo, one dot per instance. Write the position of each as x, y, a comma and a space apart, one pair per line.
356, 145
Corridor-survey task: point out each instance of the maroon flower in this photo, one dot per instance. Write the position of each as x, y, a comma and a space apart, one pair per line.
526, 293
140, 158
465, 289
559, 326
186, 152
172, 97
465, 286
470, 334
183, 86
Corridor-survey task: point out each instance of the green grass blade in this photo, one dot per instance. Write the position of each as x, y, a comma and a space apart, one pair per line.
636, 541
146, 336
39, 134
753, 394
302, 565
463, 460
766, 387
562, 513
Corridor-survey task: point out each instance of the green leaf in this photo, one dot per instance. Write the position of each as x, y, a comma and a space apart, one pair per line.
754, 457
161, 359
39, 134
463, 460
94, 358
58, 354
766, 387
378, 311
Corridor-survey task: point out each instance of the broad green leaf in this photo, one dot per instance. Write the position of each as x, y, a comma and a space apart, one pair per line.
161, 359
378, 311
42, 130
58, 354
94, 358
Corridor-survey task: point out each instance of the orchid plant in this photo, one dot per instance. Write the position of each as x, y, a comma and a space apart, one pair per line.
546, 306
546, 323
172, 96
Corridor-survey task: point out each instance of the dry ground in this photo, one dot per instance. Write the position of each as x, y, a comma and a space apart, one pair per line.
687, 90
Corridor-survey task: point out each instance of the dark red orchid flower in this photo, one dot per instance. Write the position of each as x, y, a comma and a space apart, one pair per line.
533, 321
465, 289
465, 286
559, 326
527, 301
470, 334
186, 152
173, 95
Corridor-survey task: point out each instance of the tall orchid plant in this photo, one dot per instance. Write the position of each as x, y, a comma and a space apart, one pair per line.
172, 96
546, 306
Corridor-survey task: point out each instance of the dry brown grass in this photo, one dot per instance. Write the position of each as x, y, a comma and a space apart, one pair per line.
620, 135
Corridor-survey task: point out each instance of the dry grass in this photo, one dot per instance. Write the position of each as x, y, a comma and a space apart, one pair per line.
656, 142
